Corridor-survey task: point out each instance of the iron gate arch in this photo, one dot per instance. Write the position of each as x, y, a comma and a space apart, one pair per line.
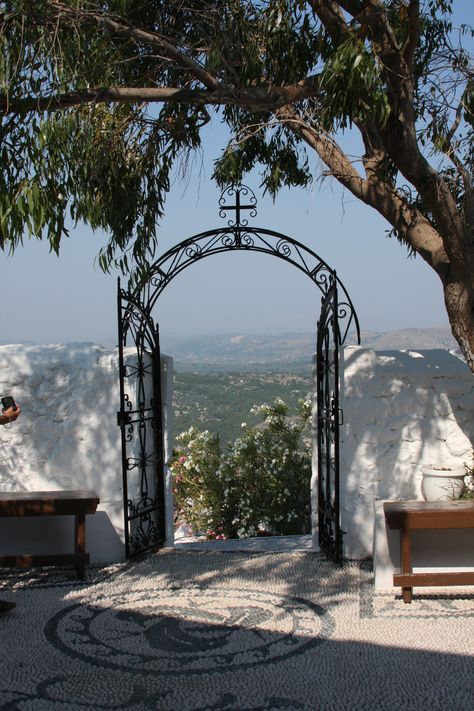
141, 416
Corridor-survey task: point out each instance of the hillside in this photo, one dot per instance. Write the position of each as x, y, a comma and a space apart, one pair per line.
220, 402
219, 378
291, 352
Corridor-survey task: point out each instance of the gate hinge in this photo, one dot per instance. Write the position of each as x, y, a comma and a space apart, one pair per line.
123, 418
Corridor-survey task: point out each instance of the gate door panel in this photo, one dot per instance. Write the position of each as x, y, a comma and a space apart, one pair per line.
140, 421
329, 416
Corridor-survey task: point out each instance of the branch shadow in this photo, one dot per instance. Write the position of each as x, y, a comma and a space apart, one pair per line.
417, 410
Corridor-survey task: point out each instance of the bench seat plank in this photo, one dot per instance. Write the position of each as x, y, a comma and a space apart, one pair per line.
429, 514
48, 503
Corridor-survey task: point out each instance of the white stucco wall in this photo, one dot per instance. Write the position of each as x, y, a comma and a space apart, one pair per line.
67, 438
402, 409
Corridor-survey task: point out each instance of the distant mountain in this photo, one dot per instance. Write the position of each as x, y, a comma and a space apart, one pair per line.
413, 339
286, 351
240, 351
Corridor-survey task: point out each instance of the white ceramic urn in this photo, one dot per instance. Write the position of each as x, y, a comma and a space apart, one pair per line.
442, 483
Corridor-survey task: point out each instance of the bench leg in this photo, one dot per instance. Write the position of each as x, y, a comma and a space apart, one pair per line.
80, 542
406, 566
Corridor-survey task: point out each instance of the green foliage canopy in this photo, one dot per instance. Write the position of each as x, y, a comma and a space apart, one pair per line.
102, 100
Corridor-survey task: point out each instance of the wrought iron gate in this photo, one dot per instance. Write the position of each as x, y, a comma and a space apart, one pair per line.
329, 418
141, 423
140, 416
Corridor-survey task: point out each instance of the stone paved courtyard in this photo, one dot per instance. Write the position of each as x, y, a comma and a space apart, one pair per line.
198, 630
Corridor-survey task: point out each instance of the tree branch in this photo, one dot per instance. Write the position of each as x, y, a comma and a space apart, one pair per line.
124, 31
399, 133
414, 29
375, 151
258, 98
331, 16
418, 231
450, 151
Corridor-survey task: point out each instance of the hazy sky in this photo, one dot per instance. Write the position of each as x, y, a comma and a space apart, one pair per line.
68, 298
50, 299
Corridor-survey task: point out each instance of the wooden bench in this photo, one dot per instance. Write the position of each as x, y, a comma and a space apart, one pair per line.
51, 503
411, 516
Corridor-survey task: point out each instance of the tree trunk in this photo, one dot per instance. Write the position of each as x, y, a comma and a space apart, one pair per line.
459, 300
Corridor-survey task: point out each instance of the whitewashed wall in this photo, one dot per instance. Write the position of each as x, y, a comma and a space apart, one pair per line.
402, 409
67, 438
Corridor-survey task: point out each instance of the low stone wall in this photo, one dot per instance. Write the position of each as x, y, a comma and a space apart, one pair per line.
402, 409
66, 438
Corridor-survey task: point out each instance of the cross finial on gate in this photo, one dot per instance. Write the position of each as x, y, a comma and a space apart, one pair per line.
237, 193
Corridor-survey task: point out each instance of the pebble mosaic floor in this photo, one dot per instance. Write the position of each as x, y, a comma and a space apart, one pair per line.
188, 630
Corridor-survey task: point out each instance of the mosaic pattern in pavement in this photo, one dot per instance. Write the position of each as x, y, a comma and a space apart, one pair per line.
209, 631
192, 630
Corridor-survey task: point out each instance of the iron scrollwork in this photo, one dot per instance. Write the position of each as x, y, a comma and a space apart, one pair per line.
253, 239
142, 424
284, 248
238, 193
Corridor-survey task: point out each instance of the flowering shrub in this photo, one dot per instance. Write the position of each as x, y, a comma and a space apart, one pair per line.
259, 485
197, 495
468, 491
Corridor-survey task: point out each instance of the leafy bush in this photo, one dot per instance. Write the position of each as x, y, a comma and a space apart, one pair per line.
468, 491
259, 485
